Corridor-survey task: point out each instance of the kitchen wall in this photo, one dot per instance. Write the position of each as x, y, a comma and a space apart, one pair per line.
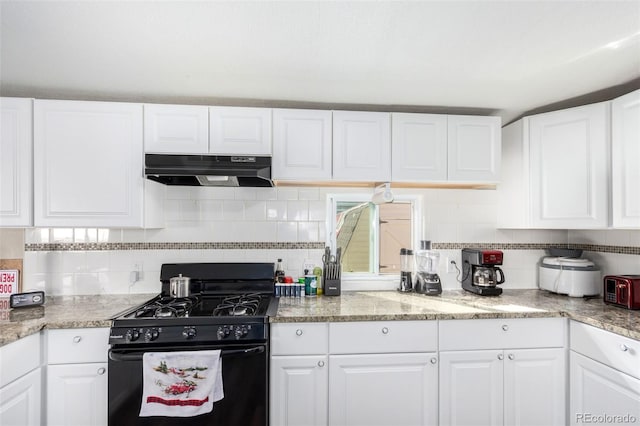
11, 243
263, 224
627, 262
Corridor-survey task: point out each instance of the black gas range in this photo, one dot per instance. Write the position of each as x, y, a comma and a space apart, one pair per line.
227, 309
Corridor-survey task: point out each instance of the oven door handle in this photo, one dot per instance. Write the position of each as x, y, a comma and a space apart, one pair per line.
137, 356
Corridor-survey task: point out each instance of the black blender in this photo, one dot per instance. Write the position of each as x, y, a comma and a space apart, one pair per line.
406, 269
427, 280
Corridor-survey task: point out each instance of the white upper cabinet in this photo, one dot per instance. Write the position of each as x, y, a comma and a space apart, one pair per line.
625, 149
88, 164
177, 129
570, 167
239, 131
556, 170
474, 148
361, 146
419, 147
301, 144
16, 154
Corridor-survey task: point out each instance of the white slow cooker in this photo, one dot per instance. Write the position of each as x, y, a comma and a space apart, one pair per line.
575, 277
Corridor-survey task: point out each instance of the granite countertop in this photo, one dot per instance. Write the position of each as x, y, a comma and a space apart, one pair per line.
66, 312
457, 304
97, 311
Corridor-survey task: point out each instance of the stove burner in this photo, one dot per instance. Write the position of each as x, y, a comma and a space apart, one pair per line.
166, 308
246, 304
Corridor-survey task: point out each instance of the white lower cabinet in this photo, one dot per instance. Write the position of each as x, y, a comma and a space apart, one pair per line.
535, 387
354, 373
502, 387
604, 377
601, 392
77, 394
21, 382
298, 384
383, 389
77, 377
471, 390
517, 375
298, 394
20, 400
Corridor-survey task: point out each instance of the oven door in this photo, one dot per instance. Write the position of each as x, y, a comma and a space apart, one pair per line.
244, 376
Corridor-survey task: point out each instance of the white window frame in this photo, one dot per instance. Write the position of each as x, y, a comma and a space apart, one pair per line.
416, 230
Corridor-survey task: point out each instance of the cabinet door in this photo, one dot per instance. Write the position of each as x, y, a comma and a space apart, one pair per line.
471, 388
383, 389
301, 144
88, 164
179, 129
361, 146
474, 148
625, 149
16, 155
534, 387
77, 394
418, 147
20, 400
298, 390
598, 390
569, 168
240, 131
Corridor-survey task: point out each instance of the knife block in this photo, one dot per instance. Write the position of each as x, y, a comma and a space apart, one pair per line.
332, 287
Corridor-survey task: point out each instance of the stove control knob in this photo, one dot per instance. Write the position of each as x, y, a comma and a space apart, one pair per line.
223, 332
151, 334
240, 332
132, 335
189, 333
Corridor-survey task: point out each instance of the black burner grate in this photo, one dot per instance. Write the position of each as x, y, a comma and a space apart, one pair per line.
166, 308
246, 304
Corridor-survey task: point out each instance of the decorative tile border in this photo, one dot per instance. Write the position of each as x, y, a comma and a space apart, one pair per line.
538, 246
309, 246
174, 246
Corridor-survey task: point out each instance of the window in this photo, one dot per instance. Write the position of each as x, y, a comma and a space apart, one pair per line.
371, 235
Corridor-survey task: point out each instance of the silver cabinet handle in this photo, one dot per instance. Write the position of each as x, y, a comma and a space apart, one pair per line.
77, 339
299, 332
102, 370
505, 327
511, 357
385, 330
500, 357
434, 360
320, 364
623, 347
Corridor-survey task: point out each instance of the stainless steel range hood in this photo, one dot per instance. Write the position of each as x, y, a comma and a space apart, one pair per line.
208, 170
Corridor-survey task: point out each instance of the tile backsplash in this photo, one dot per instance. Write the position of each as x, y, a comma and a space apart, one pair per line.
206, 224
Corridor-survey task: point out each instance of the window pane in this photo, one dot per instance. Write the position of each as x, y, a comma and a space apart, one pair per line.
360, 236
355, 235
395, 233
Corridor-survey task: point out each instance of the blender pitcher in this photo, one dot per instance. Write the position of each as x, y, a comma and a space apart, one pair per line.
406, 267
427, 280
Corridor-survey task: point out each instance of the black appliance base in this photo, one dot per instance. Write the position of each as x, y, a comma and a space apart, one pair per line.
482, 291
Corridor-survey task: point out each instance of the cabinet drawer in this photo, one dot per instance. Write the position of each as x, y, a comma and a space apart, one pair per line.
19, 357
383, 337
299, 339
619, 352
77, 345
502, 333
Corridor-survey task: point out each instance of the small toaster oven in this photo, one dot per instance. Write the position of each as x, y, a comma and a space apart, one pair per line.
622, 290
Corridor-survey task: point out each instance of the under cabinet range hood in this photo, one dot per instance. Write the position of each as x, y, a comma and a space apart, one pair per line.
208, 170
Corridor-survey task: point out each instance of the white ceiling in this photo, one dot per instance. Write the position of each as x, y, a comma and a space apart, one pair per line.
499, 57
